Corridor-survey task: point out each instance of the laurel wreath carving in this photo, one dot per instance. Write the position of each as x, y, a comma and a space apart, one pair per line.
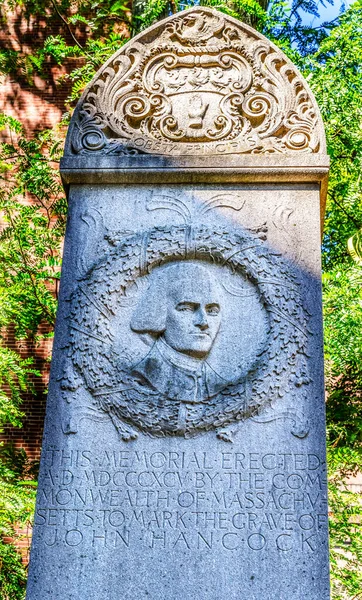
93, 362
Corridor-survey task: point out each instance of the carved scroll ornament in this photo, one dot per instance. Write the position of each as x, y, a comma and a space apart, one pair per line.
202, 83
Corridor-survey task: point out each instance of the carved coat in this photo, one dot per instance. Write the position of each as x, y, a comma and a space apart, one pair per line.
177, 376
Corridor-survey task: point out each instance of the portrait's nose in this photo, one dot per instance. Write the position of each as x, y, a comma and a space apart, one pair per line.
201, 319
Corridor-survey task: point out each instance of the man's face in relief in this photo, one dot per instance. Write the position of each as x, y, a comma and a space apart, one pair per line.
193, 312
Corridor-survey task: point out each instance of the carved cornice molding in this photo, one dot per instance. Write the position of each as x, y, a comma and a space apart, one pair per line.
198, 83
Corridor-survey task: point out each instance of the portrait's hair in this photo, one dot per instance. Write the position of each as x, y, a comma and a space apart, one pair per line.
151, 311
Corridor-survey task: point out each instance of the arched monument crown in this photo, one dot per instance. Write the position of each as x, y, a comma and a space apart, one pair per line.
199, 83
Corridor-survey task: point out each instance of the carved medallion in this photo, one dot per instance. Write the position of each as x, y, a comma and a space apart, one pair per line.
170, 288
199, 82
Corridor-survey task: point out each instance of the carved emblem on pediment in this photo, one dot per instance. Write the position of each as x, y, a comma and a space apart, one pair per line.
197, 83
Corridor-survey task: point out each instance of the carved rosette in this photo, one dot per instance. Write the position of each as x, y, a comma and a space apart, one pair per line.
94, 363
200, 82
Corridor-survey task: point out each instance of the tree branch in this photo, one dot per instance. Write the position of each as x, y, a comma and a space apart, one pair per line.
30, 274
66, 24
355, 223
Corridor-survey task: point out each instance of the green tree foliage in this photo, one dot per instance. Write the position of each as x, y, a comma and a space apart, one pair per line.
17, 495
334, 71
33, 206
17, 492
336, 67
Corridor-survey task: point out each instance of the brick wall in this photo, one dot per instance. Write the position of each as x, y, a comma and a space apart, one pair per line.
33, 406
38, 102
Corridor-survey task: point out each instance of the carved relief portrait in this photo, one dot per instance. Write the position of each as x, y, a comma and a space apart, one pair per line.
181, 329
182, 311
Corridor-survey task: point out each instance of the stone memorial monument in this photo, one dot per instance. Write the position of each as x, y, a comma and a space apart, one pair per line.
184, 445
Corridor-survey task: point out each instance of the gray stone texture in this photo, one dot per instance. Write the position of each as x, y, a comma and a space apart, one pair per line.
184, 444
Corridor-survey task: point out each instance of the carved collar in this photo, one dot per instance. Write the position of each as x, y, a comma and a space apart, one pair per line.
178, 359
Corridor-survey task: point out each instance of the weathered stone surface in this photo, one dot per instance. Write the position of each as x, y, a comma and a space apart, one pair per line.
184, 448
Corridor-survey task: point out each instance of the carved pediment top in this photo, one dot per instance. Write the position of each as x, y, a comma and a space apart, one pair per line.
197, 83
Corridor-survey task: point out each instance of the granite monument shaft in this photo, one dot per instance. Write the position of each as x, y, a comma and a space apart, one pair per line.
184, 444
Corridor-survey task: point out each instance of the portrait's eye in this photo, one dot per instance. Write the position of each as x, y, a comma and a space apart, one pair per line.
185, 307
213, 309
